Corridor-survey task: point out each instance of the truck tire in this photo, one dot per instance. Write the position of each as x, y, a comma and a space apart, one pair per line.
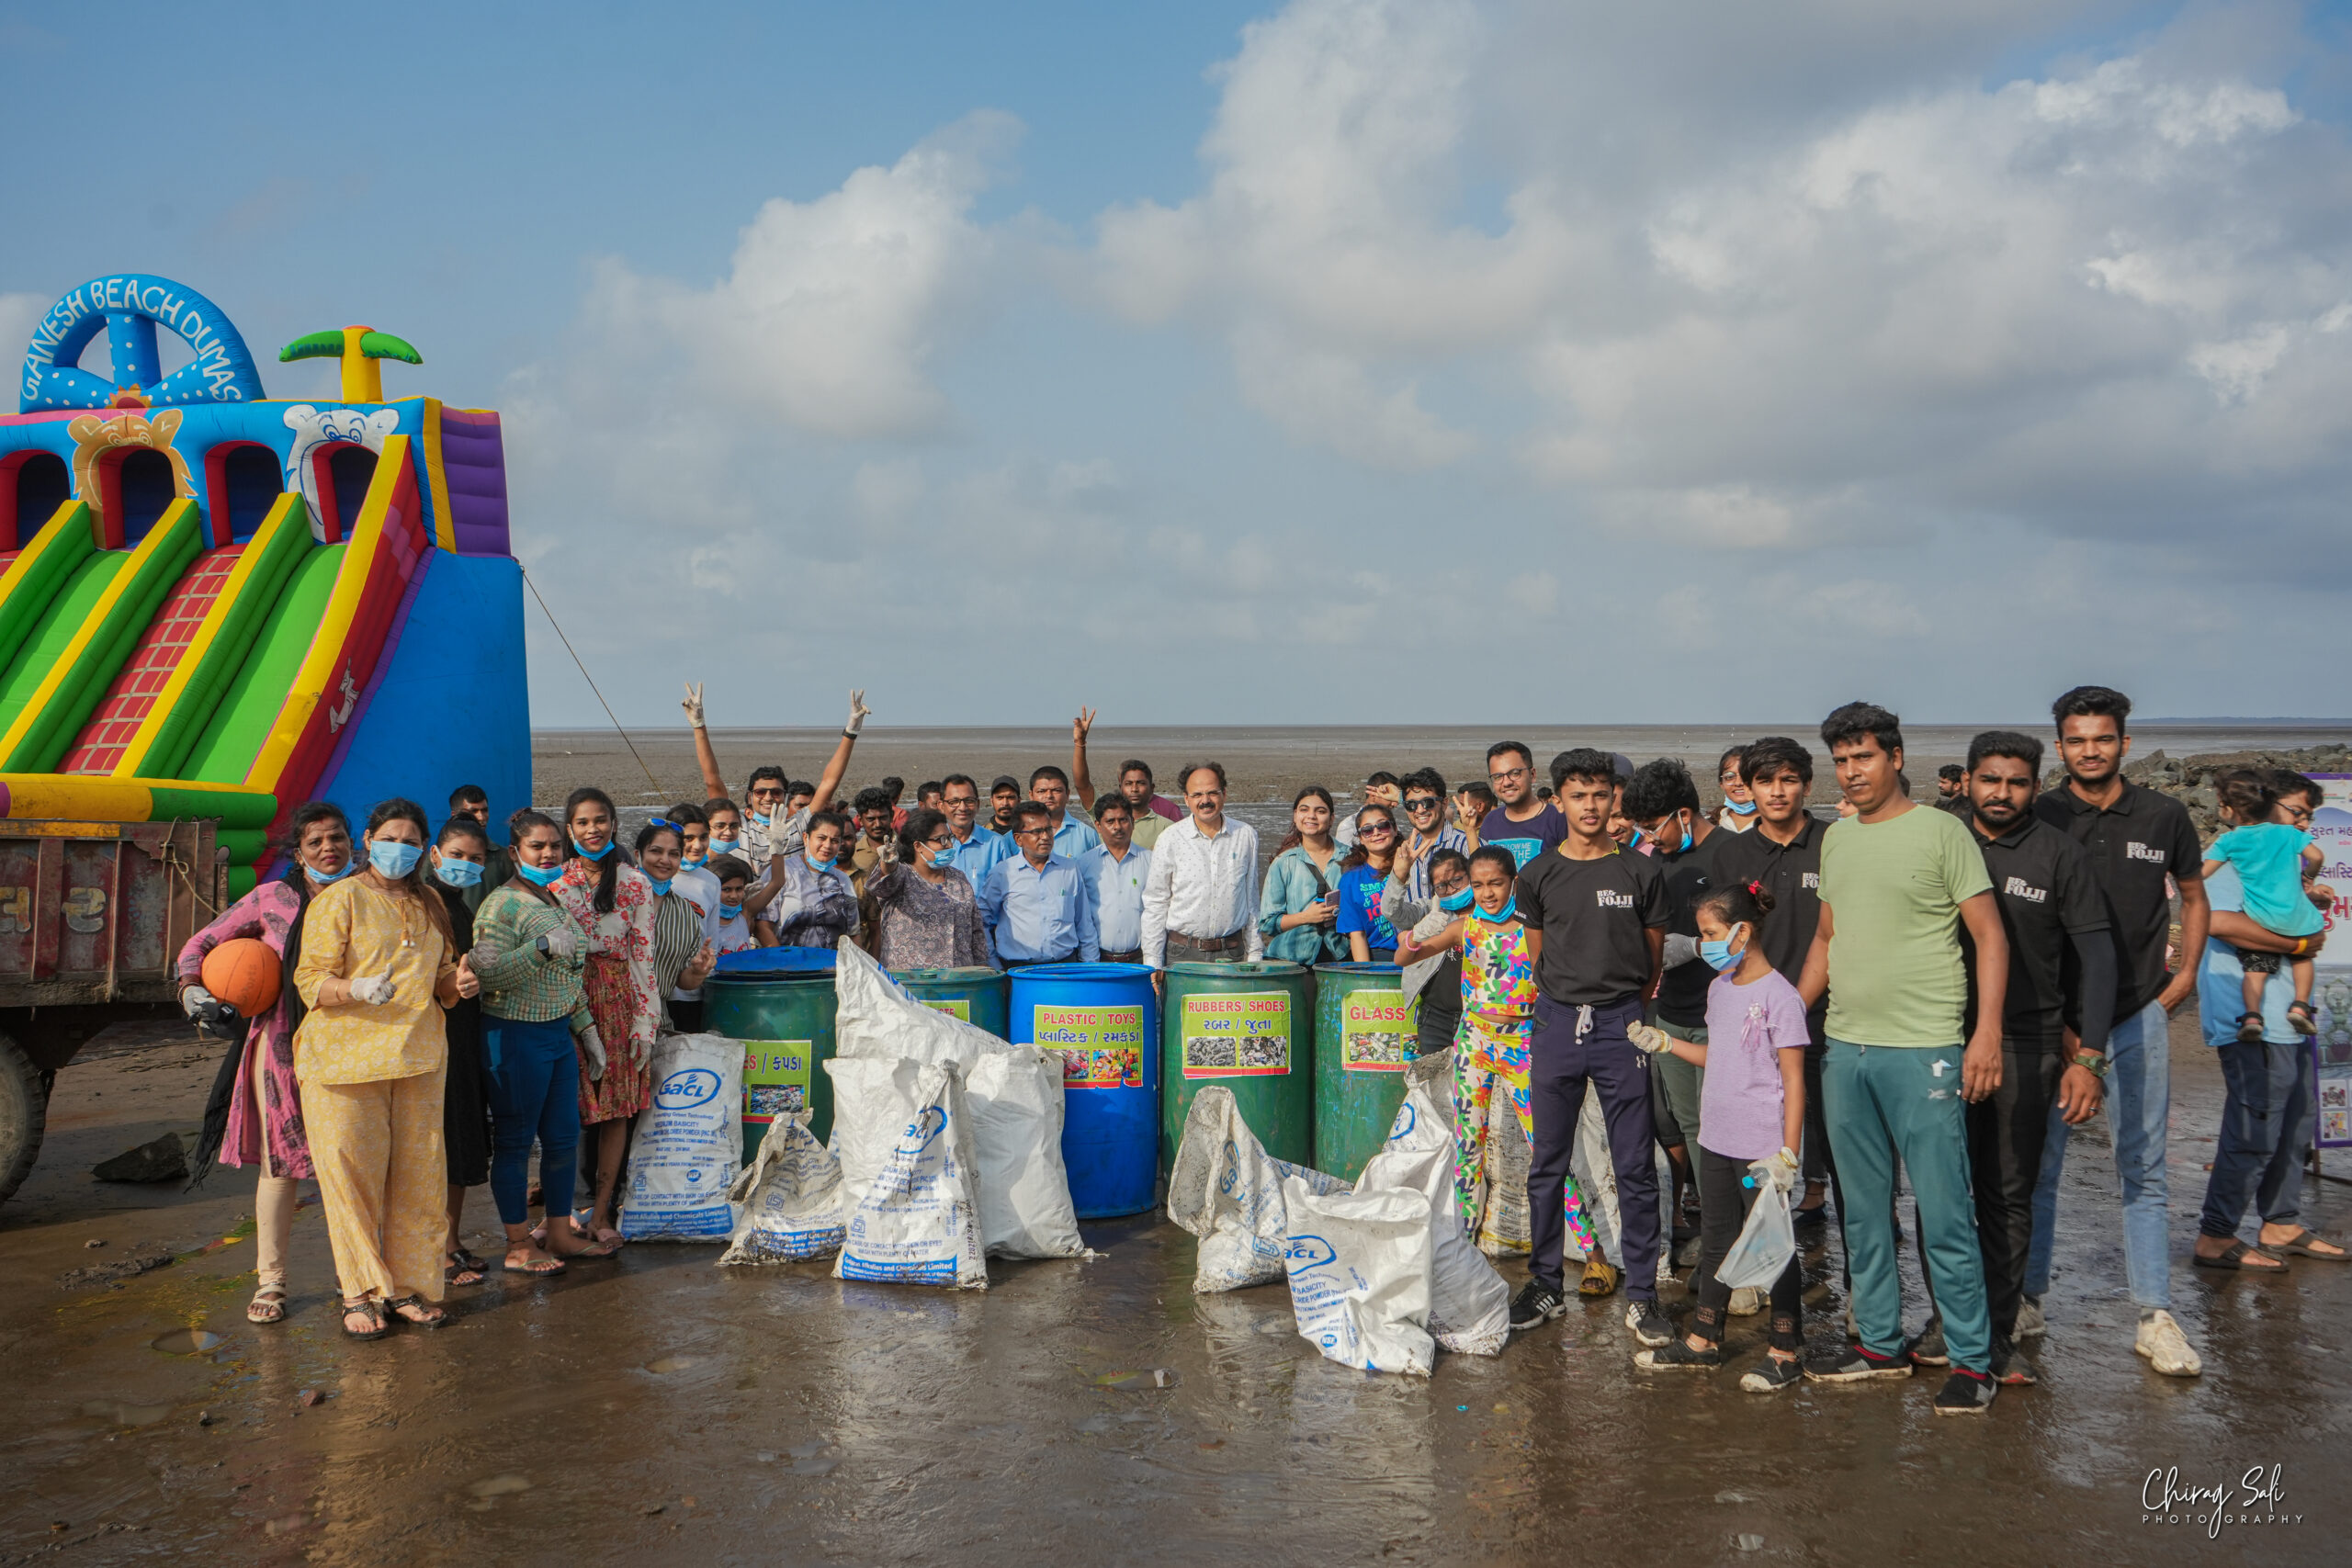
23, 1109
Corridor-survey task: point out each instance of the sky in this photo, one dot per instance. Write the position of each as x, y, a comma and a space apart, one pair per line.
1345, 361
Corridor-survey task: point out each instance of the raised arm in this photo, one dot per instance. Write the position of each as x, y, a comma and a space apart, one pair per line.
1079, 779
714, 788
828, 783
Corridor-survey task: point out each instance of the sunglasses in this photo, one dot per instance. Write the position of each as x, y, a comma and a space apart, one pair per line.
1423, 803
1369, 829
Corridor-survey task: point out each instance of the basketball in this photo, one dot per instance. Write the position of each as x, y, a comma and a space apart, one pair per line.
243, 972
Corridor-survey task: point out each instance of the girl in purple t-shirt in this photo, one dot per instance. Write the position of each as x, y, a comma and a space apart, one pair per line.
1751, 1114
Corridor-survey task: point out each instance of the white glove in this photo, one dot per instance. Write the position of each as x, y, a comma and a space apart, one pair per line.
1778, 1170
373, 989
592, 1045
561, 942
195, 999
693, 704
1647, 1040
858, 711
612, 927
1679, 950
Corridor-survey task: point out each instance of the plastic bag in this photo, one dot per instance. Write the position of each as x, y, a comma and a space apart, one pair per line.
1765, 1244
789, 1198
688, 1143
1359, 1268
1469, 1310
917, 1220
1013, 1093
1228, 1191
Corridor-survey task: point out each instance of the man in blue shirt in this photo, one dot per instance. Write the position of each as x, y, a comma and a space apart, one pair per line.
1115, 870
1038, 907
1049, 787
976, 850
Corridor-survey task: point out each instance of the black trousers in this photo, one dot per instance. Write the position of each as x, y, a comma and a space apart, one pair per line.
1723, 1204
1574, 1047
2007, 1130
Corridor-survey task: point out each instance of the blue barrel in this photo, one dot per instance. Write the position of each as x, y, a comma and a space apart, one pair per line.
1104, 1020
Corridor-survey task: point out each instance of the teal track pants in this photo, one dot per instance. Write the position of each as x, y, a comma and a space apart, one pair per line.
1883, 1102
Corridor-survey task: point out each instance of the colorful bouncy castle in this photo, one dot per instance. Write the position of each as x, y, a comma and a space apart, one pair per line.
216, 605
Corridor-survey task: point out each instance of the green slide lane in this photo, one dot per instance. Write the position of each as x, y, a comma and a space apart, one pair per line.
56, 627
225, 752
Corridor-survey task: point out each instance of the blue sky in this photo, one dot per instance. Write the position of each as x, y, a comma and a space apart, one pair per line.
1334, 362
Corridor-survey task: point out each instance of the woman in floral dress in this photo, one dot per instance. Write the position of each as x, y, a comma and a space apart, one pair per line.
613, 905
926, 914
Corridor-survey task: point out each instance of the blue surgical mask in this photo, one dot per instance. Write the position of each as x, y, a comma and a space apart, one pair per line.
1718, 954
1508, 913
1683, 848
1741, 807
600, 854
694, 859
816, 864
1454, 903
724, 846
459, 873
661, 888
323, 878
394, 858
729, 912
763, 818
539, 875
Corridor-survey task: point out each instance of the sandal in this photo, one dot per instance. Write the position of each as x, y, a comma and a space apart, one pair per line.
2300, 1015
373, 1311
1600, 1278
544, 1266
410, 1310
2299, 1244
2233, 1258
464, 1268
268, 1305
2249, 1028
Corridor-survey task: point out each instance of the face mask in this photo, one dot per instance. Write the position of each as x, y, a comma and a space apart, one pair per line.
1718, 954
1508, 913
539, 875
459, 873
763, 818
661, 888
600, 854
1683, 848
1454, 903
394, 858
1741, 808
729, 912
692, 860
816, 864
323, 878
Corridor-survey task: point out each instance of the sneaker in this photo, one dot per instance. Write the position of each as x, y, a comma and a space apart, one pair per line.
1851, 1363
2009, 1366
1535, 1305
1965, 1394
1648, 1324
1927, 1350
2166, 1349
1748, 1301
1772, 1376
2030, 1324
1680, 1354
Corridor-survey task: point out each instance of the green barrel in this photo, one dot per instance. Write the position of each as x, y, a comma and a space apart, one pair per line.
1364, 1036
784, 1017
977, 994
1245, 1026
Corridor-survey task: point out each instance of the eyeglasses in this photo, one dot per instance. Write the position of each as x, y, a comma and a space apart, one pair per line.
1033, 832
1423, 803
938, 844
1507, 775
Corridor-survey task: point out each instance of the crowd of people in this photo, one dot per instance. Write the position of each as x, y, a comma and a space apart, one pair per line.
1902, 995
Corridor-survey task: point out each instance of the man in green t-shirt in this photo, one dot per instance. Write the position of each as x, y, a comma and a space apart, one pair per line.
1896, 884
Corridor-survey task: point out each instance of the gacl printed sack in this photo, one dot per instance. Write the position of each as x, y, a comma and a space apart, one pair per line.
1469, 1302
688, 1142
916, 1222
789, 1198
1013, 1094
1228, 1191
1359, 1267
1765, 1244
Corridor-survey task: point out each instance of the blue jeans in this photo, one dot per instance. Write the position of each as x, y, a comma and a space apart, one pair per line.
534, 1094
2265, 1125
2139, 1103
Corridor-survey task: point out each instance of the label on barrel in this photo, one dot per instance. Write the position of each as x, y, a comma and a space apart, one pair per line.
1378, 1031
775, 1080
1236, 1035
960, 1008
1101, 1047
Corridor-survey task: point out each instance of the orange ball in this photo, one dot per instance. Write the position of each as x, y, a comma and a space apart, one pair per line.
243, 972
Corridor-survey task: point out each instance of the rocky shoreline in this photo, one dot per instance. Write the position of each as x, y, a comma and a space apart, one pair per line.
2189, 780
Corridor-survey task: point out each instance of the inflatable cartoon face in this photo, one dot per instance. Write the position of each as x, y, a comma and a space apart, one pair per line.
96, 435
314, 428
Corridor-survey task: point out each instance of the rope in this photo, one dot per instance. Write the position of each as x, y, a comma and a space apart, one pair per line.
592, 686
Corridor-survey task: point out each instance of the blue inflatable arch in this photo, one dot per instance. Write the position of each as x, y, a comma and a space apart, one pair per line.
131, 307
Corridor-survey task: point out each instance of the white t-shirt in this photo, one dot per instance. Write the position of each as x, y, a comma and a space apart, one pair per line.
699, 888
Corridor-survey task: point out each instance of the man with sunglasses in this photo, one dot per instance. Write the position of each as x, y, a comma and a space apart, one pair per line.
1522, 824
1426, 832
1039, 906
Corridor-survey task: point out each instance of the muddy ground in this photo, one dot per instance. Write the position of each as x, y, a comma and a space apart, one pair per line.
658, 1409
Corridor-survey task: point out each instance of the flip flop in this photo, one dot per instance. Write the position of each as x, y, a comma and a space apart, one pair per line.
427, 1316
2232, 1259
370, 1309
2299, 1244
552, 1265
463, 1268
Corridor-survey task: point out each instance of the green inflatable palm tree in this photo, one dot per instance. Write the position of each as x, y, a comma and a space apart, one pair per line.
360, 349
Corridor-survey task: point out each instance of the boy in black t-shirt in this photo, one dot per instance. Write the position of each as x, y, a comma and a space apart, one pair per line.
1597, 917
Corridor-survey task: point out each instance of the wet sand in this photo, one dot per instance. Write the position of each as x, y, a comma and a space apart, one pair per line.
658, 1409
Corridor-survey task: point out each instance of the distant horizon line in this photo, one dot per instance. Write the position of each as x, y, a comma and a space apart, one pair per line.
2207, 721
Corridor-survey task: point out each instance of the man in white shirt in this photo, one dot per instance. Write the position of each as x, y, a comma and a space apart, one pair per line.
1200, 901
1116, 870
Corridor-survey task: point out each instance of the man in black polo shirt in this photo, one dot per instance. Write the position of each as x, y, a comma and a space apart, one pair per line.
2136, 838
2050, 907
1596, 918
1783, 852
1663, 802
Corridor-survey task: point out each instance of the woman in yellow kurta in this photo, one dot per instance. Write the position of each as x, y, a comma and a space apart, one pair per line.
378, 968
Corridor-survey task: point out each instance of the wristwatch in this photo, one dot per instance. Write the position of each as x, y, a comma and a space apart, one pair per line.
2092, 1063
